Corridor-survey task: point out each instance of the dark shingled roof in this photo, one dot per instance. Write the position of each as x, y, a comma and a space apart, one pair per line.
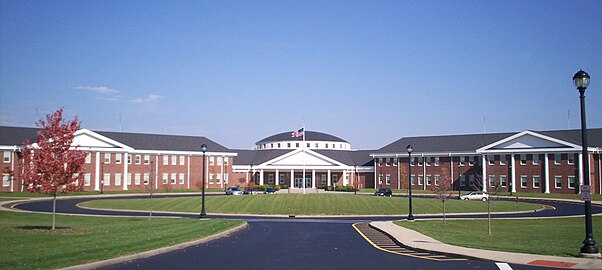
472, 142
17, 135
255, 157
309, 136
359, 158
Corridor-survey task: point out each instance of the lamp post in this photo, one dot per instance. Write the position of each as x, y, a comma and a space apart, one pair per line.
409, 148
203, 213
102, 177
589, 249
355, 180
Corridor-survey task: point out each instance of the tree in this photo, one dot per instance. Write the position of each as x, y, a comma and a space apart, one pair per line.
54, 165
442, 191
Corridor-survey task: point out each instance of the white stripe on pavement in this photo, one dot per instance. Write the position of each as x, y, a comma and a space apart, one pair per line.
503, 266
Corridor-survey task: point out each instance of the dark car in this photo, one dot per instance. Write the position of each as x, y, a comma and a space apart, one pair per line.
270, 190
384, 192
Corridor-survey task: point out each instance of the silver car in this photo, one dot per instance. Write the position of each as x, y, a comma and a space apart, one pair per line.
476, 195
233, 191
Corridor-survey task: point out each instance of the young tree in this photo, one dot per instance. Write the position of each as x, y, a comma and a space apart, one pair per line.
443, 191
52, 164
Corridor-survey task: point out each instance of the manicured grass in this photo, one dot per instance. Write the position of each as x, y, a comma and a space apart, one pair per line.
557, 237
4, 194
27, 243
309, 204
595, 197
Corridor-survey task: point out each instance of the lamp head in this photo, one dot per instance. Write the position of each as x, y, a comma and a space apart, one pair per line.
581, 80
204, 148
410, 148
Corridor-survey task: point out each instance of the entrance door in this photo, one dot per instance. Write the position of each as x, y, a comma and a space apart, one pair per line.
299, 180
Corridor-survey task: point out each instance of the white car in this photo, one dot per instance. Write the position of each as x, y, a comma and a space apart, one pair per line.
475, 195
233, 191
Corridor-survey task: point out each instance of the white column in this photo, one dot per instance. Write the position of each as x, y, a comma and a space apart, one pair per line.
423, 173
451, 171
277, 180
206, 182
375, 173
97, 173
546, 167
484, 166
328, 178
124, 159
580, 172
345, 182
188, 173
292, 179
261, 177
513, 172
156, 172
313, 178
12, 169
223, 184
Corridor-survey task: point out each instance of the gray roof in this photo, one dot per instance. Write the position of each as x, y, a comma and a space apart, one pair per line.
351, 158
309, 136
256, 157
472, 142
17, 135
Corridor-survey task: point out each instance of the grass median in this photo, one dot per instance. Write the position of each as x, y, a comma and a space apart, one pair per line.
309, 204
555, 236
27, 242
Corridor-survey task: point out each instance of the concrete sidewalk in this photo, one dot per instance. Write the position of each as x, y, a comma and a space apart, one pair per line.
419, 241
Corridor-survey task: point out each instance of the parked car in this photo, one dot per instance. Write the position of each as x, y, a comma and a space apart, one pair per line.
475, 195
233, 191
250, 191
270, 190
384, 192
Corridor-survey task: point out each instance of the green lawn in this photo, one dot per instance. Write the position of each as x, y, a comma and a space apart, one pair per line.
595, 197
309, 204
557, 237
26, 242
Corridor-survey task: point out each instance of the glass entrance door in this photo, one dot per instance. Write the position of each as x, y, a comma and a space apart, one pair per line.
299, 180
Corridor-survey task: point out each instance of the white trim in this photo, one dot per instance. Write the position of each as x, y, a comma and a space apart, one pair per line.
485, 149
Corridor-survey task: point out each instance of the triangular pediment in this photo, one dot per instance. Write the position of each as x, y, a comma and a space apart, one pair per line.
300, 157
528, 140
91, 140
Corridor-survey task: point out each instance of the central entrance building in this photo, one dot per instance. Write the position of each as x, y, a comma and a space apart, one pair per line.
284, 159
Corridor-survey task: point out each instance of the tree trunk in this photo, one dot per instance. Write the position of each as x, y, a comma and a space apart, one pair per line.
489, 216
444, 218
53, 211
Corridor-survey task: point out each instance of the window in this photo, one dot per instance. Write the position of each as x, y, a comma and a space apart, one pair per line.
471, 161
138, 159
137, 179
492, 181
211, 161
107, 179
129, 159
437, 161
388, 162
129, 179
420, 161
491, 159
165, 160
174, 160
117, 158
523, 181
219, 178
317, 145
437, 178
572, 182
6, 156
462, 180
462, 159
118, 179
271, 145
89, 158
146, 178
107, 158
471, 180
571, 158
173, 178
308, 145
536, 181
333, 146
557, 159
395, 161
6, 179
429, 180
87, 178
388, 179
278, 145
220, 161
412, 161
146, 159
335, 178
535, 159
210, 178
420, 179
427, 161
502, 159
288, 145
558, 181
523, 159
322, 179
270, 179
503, 180
283, 179
412, 179
380, 179
182, 160
225, 178
297, 145
165, 178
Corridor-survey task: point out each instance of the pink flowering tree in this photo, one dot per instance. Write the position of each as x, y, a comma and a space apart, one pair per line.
51, 164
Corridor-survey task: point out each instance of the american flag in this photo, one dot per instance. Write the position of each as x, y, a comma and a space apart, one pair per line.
297, 133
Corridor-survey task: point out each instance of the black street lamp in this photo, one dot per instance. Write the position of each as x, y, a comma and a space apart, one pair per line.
410, 149
203, 213
589, 249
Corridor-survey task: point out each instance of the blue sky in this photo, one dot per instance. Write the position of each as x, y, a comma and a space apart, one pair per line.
369, 72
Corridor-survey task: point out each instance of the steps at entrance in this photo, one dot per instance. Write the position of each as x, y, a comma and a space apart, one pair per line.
300, 191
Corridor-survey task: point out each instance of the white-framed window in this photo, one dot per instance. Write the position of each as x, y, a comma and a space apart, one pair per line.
471, 180
138, 157
174, 160
182, 160
173, 178
117, 158
412, 179
471, 161
570, 158
137, 179
118, 179
335, 178
412, 161
535, 159
491, 159
283, 179
146, 159
387, 179
220, 161
523, 159
226, 178
218, 177
462, 160
572, 183
462, 180
181, 178
128, 180
107, 179
165, 160
427, 161
226, 161
7, 156
420, 179
270, 179
395, 161
165, 178
380, 179
5, 180
211, 160
420, 161
388, 162
87, 178
523, 181
437, 161
89, 158
437, 179
502, 159
503, 180
107, 158
536, 181
491, 180
429, 180
211, 178
557, 159
322, 179
558, 181
146, 178
129, 159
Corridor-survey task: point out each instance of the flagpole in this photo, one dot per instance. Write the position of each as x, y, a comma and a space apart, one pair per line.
303, 147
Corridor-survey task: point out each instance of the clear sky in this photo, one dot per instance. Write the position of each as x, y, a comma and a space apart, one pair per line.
369, 72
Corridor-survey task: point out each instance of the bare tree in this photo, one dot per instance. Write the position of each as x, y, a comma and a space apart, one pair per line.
443, 191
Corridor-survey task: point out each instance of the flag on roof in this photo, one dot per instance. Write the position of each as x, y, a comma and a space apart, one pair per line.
297, 133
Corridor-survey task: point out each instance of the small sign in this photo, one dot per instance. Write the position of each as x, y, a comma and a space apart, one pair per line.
585, 193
